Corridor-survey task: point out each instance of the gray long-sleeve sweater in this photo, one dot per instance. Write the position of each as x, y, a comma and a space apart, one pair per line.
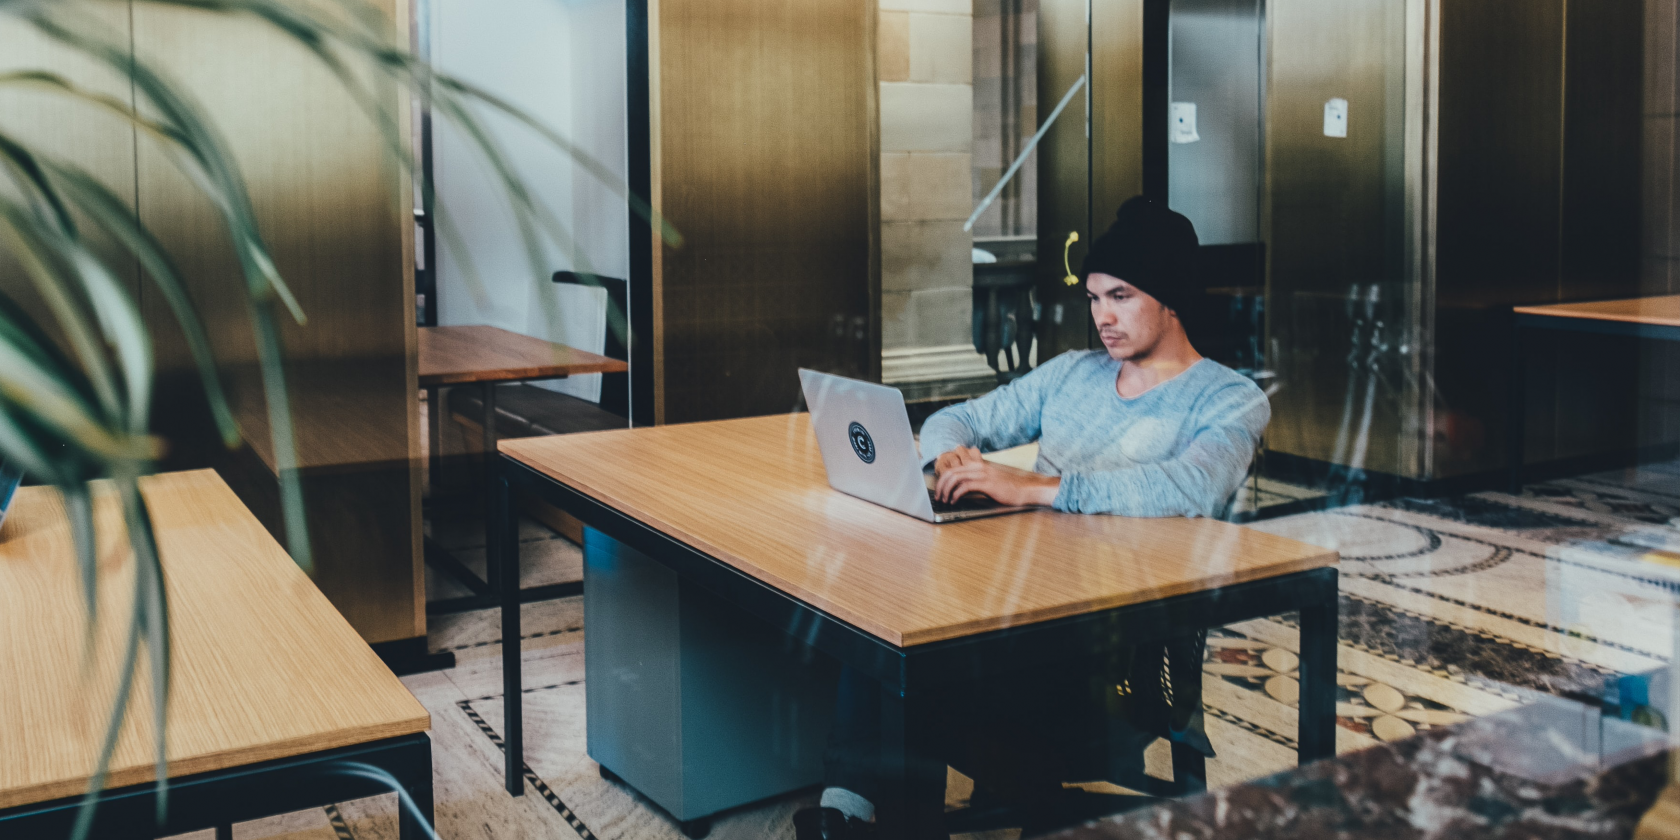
1179, 449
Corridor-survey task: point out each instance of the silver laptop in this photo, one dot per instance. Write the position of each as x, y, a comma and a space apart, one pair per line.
869, 452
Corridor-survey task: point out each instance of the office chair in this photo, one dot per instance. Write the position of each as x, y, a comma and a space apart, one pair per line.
1156, 692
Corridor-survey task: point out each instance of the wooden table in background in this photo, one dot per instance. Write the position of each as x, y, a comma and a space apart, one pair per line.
488, 356
1647, 317
742, 509
273, 692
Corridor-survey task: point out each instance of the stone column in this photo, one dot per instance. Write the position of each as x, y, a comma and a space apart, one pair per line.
927, 137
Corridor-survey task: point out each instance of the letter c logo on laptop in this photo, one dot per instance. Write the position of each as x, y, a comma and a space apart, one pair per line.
862, 443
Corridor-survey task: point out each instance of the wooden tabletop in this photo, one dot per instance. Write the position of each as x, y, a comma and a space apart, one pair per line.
454, 355
1662, 311
752, 493
264, 667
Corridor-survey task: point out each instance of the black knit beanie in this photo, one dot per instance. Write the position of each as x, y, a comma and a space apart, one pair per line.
1153, 249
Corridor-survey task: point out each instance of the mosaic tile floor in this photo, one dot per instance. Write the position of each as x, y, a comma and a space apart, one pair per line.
1450, 608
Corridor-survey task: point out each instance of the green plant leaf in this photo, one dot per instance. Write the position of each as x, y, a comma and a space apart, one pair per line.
148, 569
78, 506
111, 214
113, 726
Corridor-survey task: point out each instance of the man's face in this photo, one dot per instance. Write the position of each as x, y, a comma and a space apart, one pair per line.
1130, 322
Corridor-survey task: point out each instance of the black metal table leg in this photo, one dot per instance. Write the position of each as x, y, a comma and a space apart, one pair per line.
1516, 403
224, 831
491, 476
434, 440
1317, 721
912, 805
505, 533
418, 782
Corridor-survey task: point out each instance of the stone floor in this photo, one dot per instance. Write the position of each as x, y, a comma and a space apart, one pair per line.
1450, 608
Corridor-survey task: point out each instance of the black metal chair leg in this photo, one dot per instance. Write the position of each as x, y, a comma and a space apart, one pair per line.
1189, 770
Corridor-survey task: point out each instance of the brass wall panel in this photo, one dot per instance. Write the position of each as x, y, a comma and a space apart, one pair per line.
765, 161
1117, 117
1538, 201
334, 210
73, 132
1335, 210
1084, 176
1063, 175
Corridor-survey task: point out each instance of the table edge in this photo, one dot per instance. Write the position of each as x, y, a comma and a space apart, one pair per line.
211, 762
454, 377
1550, 311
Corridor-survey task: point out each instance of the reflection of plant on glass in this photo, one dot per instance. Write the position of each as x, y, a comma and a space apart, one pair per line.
76, 407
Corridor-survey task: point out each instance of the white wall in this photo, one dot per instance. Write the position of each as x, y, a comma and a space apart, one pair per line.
563, 62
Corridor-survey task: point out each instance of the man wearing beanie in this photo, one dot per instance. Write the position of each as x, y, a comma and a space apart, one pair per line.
1143, 427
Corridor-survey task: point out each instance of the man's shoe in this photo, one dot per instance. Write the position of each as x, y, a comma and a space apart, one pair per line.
830, 824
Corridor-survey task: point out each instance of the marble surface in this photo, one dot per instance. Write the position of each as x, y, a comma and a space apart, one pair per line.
1551, 770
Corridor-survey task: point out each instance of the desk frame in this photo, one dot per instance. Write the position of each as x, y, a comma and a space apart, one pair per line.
487, 591
1517, 390
909, 674
219, 798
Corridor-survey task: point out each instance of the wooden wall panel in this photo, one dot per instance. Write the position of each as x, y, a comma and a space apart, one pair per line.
1064, 174
1538, 202
334, 208
765, 156
73, 132
1339, 299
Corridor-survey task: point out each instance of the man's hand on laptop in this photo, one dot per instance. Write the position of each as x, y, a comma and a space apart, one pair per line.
963, 471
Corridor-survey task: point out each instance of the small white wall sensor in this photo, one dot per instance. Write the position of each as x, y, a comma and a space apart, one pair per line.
1335, 118
1184, 123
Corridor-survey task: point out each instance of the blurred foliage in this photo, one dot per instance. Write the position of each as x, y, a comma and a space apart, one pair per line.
75, 393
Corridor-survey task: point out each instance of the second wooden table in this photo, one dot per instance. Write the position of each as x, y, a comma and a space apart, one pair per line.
488, 356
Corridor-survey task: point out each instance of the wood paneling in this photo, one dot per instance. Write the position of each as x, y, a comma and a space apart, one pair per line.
1538, 201
335, 210
1064, 163
752, 493
764, 159
1336, 281
263, 667
71, 131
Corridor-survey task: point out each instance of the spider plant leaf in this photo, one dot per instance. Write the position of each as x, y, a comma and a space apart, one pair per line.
113, 727
119, 321
41, 394
285, 447
40, 251
22, 449
110, 213
78, 506
405, 802
155, 625
27, 171
64, 87
124, 330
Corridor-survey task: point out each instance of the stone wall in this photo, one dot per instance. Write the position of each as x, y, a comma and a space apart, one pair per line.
927, 110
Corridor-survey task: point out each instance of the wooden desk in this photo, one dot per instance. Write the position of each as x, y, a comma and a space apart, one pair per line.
743, 508
271, 687
1647, 317
457, 355
487, 356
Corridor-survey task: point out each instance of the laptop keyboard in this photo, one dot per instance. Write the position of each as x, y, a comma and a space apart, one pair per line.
969, 502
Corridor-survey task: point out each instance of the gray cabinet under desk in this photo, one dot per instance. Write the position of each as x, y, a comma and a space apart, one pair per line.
697, 705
